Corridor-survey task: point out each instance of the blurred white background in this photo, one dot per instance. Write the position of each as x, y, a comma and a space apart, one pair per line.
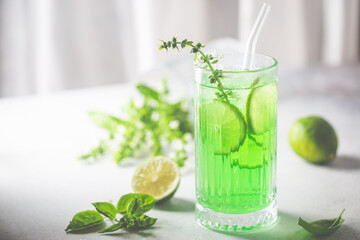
50, 45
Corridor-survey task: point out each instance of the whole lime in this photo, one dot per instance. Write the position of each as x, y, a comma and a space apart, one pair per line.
313, 139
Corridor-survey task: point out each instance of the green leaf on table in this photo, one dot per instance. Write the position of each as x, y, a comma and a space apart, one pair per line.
106, 121
85, 220
132, 206
145, 203
148, 91
146, 221
323, 226
106, 209
113, 228
132, 222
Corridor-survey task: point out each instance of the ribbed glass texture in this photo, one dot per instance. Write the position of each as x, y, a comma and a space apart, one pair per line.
235, 146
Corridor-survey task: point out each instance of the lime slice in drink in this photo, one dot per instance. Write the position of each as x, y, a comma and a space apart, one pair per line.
224, 124
258, 107
158, 177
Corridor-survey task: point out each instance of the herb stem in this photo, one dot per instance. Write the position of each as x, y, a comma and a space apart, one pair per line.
338, 218
220, 85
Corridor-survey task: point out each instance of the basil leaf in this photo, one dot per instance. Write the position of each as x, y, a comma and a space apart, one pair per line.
106, 121
113, 228
132, 206
84, 220
145, 203
323, 226
146, 221
106, 209
148, 91
124, 202
132, 222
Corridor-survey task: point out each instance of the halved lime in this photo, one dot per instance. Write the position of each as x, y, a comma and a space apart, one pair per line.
259, 107
158, 177
224, 124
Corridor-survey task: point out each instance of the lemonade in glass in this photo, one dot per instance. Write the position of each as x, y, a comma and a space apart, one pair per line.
235, 145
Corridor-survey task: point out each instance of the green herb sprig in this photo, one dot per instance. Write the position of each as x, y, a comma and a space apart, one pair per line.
322, 227
155, 123
208, 59
131, 206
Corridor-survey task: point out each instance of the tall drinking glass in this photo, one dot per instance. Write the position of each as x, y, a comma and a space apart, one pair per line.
235, 145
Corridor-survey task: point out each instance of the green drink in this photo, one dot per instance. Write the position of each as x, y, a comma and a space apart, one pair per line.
235, 144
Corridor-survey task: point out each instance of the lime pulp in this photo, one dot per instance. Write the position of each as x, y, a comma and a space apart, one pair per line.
224, 123
257, 106
158, 177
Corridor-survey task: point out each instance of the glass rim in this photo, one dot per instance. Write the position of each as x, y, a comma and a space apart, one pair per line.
274, 65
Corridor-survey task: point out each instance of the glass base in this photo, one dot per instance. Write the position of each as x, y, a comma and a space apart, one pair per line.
244, 222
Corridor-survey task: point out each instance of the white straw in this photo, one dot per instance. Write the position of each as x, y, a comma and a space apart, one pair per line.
254, 35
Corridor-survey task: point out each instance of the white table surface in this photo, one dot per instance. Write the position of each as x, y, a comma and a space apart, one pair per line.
42, 184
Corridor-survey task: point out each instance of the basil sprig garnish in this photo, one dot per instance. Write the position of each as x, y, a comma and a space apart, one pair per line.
131, 206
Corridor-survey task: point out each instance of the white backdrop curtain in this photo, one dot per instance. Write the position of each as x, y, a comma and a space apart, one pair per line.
49, 45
